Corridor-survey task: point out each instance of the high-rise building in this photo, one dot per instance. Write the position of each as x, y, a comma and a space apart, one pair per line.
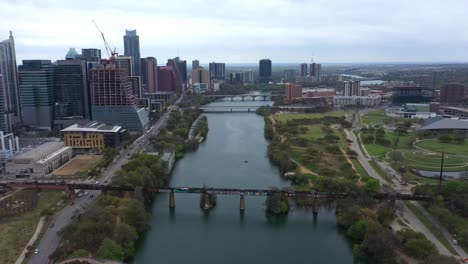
113, 97
72, 54
352, 88
289, 75
217, 71
132, 48
265, 70
92, 55
304, 69
166, 79
200, 75
179, 84
37, 93
182, 67
248, 76
195, 64
71, 89
149, 71
315, 71
452, 93
10, 107
235, 78
293, 91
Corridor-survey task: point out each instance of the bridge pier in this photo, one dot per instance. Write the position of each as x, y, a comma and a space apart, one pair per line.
315, 210
243, 97
242, 203
264, 98
253, 98
248, 110
232, 99
206, 198
172, 200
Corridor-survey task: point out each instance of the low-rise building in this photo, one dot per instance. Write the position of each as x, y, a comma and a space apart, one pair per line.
445, 125
343, 101
454, 111
93, 136
319, 92
39, 161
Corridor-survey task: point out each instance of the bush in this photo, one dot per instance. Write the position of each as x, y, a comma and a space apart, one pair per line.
445, 138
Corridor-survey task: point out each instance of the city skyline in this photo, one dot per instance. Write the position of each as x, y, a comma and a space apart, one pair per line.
332, 31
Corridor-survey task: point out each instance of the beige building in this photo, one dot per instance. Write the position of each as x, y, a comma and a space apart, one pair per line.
200, 75
40, 160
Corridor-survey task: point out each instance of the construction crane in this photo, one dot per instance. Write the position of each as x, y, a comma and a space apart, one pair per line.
111, 54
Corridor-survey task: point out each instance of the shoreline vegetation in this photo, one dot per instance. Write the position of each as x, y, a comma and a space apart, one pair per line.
110, 228
317, 143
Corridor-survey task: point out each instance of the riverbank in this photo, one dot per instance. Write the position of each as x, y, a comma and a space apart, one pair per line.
310, 140
125, 216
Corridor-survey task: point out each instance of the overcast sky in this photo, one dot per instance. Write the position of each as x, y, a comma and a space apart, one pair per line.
236, 31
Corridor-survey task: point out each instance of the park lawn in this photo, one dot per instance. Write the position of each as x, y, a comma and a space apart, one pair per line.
435, 145
379, 118
16, 232
374, 118
376, 150
283, 117
314, 132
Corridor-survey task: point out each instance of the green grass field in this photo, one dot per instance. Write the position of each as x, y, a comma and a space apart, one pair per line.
16, 232
434, 145
283, 117
374, 118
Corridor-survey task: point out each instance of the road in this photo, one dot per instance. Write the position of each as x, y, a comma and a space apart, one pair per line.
405, 212
51, 239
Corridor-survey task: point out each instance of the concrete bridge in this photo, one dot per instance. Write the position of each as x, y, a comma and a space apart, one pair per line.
243, 96
70, 187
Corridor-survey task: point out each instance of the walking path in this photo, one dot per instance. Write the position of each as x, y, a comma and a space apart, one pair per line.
10, 194
31, 242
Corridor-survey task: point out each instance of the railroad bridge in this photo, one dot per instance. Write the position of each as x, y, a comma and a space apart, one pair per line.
69, 187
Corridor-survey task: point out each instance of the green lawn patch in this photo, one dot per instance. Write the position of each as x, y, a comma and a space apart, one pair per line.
435, 145
283, 117
16, 232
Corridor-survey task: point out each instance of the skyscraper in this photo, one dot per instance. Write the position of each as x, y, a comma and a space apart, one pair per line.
10, 107
217, 71
315, 71
352, 88
179, 84
195, 64
289, 75
304, 69
91, 55
248, 76
166, 79
132, 48
200, 75
113, 97
37, 93
71, 89
149, 71
182, 67
265, 70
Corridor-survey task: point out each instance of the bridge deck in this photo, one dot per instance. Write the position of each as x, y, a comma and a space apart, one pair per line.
218, 191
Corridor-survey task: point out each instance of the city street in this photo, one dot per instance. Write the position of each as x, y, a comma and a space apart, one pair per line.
51, 239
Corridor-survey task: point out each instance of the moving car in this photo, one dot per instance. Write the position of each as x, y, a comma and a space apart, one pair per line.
36, 251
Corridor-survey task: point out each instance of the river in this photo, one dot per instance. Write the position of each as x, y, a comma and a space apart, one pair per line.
234, 155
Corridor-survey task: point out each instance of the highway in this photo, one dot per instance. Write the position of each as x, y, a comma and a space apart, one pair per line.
51, 239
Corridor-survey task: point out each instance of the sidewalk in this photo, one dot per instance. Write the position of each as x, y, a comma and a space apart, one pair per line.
31, 242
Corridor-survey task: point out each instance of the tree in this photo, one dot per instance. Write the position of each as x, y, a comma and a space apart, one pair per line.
109, 249
419, 248
372, 185
357, 230
135, 215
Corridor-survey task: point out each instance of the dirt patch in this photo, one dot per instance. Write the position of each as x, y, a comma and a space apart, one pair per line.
80, 163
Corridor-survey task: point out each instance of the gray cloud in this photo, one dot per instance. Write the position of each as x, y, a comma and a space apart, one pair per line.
246, 30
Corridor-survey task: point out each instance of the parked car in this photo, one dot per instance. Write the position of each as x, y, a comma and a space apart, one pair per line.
36, 251
86, 194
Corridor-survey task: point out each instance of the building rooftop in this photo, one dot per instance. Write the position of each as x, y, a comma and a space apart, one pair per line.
40, 150
92, 127
455, 108
445, 123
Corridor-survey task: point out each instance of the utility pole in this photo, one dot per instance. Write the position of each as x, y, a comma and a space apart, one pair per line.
441, 172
